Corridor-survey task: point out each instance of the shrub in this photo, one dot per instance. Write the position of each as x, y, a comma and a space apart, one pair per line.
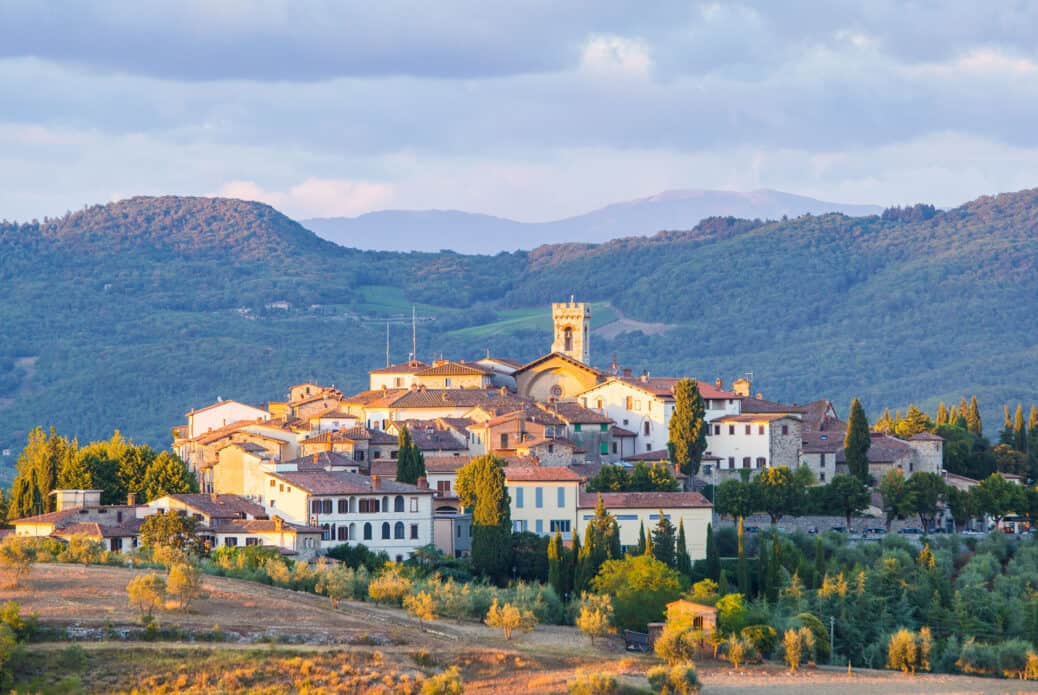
184, 583
1013, 657
1031, 672
595, 618
902, 653
977, 658
739, 651
338, 583
72, 658
357, 556
509, 618
147, 592
679, 679
677, 644
447, 683
593, 683
389, 587
798, 645
421, 606
21, 626
821, 634
762, 637
18, 554
82, 549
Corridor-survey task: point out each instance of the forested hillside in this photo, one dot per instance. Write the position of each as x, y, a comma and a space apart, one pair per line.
126, 315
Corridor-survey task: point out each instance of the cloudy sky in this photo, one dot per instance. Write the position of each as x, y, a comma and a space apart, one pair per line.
531, 110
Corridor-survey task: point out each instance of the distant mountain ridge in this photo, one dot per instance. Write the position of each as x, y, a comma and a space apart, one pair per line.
464, 232
129, 314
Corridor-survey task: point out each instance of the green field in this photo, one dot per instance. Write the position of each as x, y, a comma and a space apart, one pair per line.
536, 319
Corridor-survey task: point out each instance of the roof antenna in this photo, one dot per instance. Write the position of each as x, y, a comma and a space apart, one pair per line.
387, 343
414, 333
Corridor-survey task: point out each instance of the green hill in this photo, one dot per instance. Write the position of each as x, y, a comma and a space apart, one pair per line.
126, 315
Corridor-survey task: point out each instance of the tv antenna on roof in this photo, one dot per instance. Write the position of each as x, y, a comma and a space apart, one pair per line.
414, 333
387, 343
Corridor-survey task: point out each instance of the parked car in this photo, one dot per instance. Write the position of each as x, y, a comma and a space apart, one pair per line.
751, 529
911, 531
875, 531
839, 529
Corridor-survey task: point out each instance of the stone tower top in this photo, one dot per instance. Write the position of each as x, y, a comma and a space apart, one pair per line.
572, 329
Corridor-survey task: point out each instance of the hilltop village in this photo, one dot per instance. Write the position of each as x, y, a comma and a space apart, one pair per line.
319, 469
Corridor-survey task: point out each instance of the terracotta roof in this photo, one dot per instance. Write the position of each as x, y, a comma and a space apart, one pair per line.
527, 413
451, 368
643, 500
574, 413
657, 455
456, 398
542, 441
320, 482
381, 438
73, 514
375, 398
538, 473
412, 367
129, 527
564, 358
333, 411
515, 364
219, 506
618, 431
926, 437
322, 459
220, 432
757, 417
664, 387
759, 405
883, 449
444, 464
458, 423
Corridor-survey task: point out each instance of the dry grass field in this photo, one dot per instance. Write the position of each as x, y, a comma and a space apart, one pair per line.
356, 648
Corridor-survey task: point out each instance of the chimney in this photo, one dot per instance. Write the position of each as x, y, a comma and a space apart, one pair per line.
760, 396
423, 483
719, 384
374, 482
315, 458
279, 523
131, 499
215, 497
627, 372
645, 377
741, 387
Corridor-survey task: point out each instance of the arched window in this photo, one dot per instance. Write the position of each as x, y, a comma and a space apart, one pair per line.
385, 530
398, 530
761, 462
567, 338
352, 534
367, 531
352, 507
385, 504
745, 461
398, 503
647, 427
344, 506
343, 533
315, 506
327, 506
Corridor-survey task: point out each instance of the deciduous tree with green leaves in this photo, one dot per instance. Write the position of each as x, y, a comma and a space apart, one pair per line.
848, 494
778, 492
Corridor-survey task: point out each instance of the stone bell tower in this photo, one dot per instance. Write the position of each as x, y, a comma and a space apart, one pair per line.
572, 329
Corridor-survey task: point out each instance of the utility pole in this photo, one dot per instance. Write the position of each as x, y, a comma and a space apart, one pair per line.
387, 343
414, 333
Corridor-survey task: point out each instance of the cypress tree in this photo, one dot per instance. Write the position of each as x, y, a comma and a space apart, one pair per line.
1019, 431
713, 557
857, 442
774, 563
687, 428
1032, 432
683, 560
743, 566
601, 543
648, 546
640, 549
973, 421
481, 488
762, 570
555, 565
819, 562
663, 541
572, 565
963, 409
722, 584
942, 414
1006, 435
407, 466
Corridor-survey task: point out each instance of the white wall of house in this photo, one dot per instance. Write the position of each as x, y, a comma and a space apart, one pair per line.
222, 414
631, 520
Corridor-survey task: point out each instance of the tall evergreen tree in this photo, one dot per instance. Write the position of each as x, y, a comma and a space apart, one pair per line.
687, 428
973, 421
1006, 435
743, 565
410, 464
774, 565
942, 414
762, 569
167, 475
914, 422
885, 423
857, 442
712, 564
1032, 432
37, 471
556, 565
481, 488
1019, 430
601, 543
640, 549
683, 561
663, 541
